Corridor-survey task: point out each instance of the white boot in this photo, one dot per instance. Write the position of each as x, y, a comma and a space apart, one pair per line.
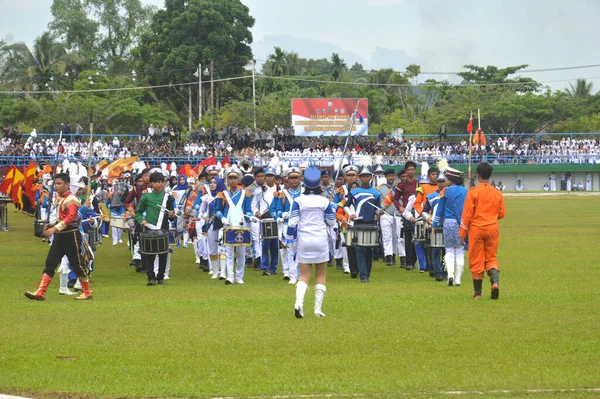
64, 289
460, 265
301, 289
197, 260
319, 295
186, 238
77, 286
449, 259
292, 281
214, 266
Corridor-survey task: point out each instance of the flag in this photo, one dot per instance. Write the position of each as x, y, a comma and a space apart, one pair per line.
101, 165
6, 185
360, 118
208, 161
30, 174
470, 125
226, 161
17, 187
120, 165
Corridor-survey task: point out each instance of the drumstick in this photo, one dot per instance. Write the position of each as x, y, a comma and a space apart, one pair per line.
381, 209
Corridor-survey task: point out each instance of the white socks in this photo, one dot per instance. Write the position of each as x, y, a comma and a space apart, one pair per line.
319, 295
301, 288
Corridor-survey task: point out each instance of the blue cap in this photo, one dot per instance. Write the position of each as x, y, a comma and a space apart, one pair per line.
326, 173
312, 177
389, 171
270, 171
401, 172
247, 180
258, 171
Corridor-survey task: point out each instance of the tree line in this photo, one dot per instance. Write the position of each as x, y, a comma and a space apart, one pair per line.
115, 50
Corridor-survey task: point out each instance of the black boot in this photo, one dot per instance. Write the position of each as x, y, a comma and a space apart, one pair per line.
249, 263
394, 260
403, 262
257, 262
494, 279
477, 287
388, 260
339, 264
330, 262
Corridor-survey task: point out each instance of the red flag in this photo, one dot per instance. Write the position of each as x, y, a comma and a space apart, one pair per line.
208, 161
181, 170
30, 174
226, 162
470, 125
6, 185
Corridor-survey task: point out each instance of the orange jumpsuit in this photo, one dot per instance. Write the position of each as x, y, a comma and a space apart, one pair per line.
484, 206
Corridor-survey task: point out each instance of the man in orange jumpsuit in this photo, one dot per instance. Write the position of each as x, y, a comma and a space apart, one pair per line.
484, 206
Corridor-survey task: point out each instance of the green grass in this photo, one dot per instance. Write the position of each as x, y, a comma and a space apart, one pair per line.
401, 335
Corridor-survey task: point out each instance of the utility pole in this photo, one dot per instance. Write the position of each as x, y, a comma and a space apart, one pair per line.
190, 108
254, 92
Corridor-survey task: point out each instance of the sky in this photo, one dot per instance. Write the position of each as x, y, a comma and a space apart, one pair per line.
439, 35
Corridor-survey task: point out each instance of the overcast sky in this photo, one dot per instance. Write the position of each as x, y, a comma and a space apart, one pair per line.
440, 35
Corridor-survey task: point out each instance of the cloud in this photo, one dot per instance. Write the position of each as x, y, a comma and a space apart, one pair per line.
384, 3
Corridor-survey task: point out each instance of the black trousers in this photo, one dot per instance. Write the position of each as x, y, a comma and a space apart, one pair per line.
352, 259
148, 262
409, 246
69, 244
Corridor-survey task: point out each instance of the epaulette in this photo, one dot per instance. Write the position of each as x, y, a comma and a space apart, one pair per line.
248, 193
419, 189
220, 195
380, 185
442, 192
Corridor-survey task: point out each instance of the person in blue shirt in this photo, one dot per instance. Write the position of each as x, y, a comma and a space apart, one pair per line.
234, 208
448, 214
431, 203
364, 199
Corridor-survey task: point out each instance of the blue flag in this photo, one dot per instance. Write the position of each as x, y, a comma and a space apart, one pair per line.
360, 118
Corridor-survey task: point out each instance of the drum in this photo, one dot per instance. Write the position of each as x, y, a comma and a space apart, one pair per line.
420, 234
237, 236
105, 212
118, 222
154, 242
363, 235
268, 229
38, 227
436, 240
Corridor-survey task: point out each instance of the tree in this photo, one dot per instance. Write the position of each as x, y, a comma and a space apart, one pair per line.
277, 62
191, 32
45, 65
357, 68
582, 89
338, 67
493, 74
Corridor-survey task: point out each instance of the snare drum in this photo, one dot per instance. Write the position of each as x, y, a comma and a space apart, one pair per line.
268, 229
420, 234
38, 227
154, 242
363, 235
237, 236
436, 240
118, 222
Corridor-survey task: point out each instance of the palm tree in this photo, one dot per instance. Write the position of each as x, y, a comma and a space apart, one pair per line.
292, 60
49, 60
582, 89
277, 62
338, 67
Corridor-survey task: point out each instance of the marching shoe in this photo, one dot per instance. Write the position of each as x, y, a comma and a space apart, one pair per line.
151, 282
450, 282
299, 312
320, 290
77, 287
353, 275
120, 241
339, 264
215, 276
477, 287
240, 281
64, 285
394, 260
330, 263
162, 282
228, 282
221, 277
40, 293
403, 262
388, 260
266, 273
292, 281
197, 260
86, 294
495, 291
346, 272
286, 278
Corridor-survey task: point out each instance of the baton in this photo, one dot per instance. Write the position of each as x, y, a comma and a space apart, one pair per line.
381, 209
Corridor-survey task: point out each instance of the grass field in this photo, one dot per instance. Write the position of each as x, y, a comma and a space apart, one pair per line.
401, 335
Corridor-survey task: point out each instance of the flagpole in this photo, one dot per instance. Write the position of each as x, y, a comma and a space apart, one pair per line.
89, 185
54, 168
470, 151
349, 134
478, 119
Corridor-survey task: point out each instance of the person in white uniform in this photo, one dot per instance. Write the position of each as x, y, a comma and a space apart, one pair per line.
307, 228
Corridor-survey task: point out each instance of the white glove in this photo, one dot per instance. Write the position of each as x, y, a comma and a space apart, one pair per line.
280, 220
225, 221
204, 215
253, 219
285, 215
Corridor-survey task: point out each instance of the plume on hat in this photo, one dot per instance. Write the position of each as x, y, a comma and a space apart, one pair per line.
424, 170
366, 160
442, 164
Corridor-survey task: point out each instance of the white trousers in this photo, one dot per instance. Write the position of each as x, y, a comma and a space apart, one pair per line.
455, 263
116, 235
293, 267
400, 250
167, 268
237, 254
256, 241
201, 244
552, 185
388, 234
137, 255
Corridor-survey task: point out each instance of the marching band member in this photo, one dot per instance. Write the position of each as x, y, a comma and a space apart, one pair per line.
307, 227
327, 192
150, 214
66, 241
102, 193
429, 209
261, 203
115, 203
402, 192
259, 182
387, 218
141, 187
248, 185
280, 209
338, 239
428, 185
358, 199
484, 206
341, 198
181, 191
212, 226
448, 214
232, 208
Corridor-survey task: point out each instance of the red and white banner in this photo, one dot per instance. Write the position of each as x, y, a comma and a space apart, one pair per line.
314, 117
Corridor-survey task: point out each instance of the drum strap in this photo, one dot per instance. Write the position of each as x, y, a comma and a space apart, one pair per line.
230, 201
161, 215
